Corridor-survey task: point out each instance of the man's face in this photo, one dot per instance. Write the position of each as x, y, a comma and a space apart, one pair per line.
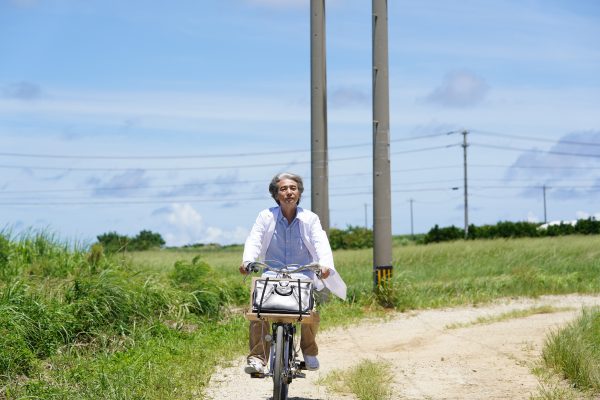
287, 192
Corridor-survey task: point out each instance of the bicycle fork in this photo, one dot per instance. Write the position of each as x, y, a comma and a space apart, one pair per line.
293, 366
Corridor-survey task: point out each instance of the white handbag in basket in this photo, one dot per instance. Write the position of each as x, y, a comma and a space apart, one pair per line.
282, 296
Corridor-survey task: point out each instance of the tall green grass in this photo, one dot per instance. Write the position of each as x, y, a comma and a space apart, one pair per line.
75, 322
574, 351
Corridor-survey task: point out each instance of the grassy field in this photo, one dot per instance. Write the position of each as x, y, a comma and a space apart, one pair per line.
75, 323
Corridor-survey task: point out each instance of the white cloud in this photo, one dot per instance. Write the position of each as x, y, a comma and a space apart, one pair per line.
186, 226
459, 89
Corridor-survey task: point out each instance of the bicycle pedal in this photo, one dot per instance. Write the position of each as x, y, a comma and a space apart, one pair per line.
257, 375
300, 375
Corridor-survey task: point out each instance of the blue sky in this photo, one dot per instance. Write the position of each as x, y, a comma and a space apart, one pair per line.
173, 116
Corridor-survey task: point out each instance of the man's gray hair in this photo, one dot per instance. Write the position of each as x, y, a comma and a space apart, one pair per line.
273, 189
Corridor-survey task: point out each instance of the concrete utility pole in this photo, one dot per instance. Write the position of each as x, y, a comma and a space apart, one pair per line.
464, 146
382, 199
318, 114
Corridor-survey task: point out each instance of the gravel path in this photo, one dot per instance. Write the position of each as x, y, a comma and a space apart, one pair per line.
430, 361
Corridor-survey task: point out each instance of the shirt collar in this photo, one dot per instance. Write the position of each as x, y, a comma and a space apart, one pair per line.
282, 217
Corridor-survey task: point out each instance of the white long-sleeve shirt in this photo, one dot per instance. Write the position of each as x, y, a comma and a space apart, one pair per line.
313, 237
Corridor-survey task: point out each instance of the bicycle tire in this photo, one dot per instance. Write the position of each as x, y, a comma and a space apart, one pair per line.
281, 365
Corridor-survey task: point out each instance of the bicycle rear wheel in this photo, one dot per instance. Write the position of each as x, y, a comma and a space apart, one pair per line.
281, 365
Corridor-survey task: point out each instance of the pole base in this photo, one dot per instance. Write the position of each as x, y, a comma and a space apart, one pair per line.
381, 274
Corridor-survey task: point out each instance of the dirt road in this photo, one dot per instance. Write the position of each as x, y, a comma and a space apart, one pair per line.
429, 360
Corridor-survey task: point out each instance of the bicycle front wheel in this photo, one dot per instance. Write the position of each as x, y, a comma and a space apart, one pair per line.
281, 367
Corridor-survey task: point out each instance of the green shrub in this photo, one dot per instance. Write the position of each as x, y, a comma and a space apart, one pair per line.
504, 229
113, 242
5, 249
29, 328
508, 229
145, 240
205, 294
437, 234
587, 226
354, 237
559, 230
190, 275
16, 358
108, 301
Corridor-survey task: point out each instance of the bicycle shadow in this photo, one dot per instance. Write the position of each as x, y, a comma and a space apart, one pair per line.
301, 398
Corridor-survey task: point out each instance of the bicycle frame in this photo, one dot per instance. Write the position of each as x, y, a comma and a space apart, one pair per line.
284, 365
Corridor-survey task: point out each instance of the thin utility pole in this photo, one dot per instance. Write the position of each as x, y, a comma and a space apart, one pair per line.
464, 146
318, 114
382, 204
366, 223
544, 191
412, 230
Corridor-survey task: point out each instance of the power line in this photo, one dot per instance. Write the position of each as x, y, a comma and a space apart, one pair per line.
187, 200
539, 186
210, 183
534, 167
559, 153
202, 156
244, 166
222, 199
537, 139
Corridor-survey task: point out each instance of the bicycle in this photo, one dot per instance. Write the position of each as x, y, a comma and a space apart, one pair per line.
283, 310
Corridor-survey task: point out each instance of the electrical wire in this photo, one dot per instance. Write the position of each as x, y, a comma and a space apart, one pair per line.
537, 139
202, 156
237, 166
559, 153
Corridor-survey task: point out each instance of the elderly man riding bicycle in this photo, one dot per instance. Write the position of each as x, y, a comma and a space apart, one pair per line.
284, 235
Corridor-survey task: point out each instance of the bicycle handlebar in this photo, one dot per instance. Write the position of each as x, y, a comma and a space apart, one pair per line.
285, 270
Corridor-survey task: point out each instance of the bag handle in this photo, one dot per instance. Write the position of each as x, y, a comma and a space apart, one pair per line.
299, 301
262, 296
279, 289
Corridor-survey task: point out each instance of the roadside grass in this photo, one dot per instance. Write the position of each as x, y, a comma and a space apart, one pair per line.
170, 365
554, 391
545, 309
552, 387
368, 380
573, 351
75, 322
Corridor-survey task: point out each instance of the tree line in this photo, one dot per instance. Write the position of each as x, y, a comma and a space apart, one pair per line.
356, 237
113, 242
508, 229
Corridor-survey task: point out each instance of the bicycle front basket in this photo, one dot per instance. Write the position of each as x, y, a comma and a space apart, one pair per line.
282, 296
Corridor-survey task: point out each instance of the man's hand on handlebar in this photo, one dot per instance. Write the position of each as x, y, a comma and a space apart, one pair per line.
244, 270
